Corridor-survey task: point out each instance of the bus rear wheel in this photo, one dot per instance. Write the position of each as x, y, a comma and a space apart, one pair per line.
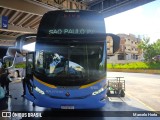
122, 93
108, 93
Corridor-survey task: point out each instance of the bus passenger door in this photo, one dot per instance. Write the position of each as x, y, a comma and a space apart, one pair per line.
29, 72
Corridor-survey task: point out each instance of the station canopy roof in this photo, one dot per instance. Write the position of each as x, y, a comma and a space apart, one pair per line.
24, 15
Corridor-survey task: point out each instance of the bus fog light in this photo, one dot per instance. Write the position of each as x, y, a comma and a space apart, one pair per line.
39, 90
98, 91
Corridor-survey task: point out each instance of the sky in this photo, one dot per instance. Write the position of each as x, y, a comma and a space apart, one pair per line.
143, 21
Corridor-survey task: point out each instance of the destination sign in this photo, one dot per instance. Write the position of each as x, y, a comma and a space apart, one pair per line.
71, 31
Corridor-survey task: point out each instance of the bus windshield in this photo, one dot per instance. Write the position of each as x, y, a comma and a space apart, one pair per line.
70, 63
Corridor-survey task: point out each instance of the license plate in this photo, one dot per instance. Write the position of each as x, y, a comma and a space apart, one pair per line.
67, 107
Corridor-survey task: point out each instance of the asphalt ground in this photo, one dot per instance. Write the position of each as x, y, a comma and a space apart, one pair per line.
142, 97
145, 88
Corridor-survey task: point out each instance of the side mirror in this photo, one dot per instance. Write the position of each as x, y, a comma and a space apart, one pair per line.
113, 42
24, 40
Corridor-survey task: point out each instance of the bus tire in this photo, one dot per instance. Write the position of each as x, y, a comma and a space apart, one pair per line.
122, 93
33, 105
108, 93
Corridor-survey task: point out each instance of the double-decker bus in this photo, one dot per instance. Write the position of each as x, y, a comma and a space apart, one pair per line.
69, 62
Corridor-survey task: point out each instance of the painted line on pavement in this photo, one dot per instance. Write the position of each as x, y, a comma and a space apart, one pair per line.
150, 108
16, 81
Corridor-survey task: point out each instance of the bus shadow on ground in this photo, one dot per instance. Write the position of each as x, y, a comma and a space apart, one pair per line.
111, 109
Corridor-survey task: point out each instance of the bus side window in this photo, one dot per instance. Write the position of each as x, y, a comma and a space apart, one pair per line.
29, 63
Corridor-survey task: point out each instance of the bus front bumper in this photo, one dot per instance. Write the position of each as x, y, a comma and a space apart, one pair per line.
91, 102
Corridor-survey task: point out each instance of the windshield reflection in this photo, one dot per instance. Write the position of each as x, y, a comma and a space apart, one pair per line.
59, 65
65, 63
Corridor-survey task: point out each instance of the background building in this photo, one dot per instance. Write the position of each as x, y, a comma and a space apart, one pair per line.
128, 50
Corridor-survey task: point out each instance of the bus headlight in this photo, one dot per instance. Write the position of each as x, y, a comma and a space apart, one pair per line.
100, 90
39, 90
